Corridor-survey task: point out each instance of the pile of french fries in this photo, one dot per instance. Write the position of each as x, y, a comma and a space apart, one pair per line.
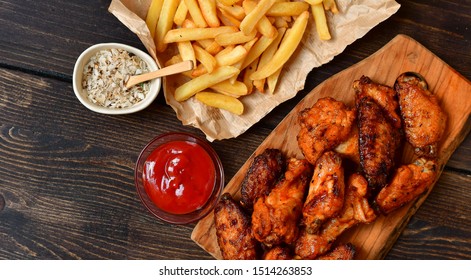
236, 45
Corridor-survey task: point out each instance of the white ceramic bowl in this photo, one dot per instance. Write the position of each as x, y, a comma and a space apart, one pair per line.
155, 85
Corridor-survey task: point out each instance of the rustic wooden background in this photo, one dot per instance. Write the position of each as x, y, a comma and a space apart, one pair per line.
66, 174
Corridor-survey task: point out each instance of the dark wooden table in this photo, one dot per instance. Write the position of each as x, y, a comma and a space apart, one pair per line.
66, 174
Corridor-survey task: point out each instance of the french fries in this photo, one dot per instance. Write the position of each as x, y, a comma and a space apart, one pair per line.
237, 46
287, 47
205, 81
221, 101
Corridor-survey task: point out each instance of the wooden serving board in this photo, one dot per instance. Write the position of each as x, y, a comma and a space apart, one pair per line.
401, 54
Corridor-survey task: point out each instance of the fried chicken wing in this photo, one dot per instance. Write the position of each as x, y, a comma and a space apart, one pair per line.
424, 119
379, 138
263, 173
382, 95
408, 183
341, 252
278, 253
234, 231
275, 217
324, 126
356, 210
326, 192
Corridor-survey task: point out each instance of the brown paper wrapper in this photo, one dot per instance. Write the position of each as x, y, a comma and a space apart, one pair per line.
354, 20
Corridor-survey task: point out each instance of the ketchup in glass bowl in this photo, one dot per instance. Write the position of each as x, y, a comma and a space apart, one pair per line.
179, 177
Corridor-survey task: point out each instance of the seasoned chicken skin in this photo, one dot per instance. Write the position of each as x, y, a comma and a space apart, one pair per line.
356, 210
265, 170
234, 231
341, 252
324, 126
326, 192
275, 217
382, 95
278, 253
379, 138
408, 183
424, 119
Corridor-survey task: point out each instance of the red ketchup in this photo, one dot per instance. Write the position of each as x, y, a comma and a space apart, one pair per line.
179, 177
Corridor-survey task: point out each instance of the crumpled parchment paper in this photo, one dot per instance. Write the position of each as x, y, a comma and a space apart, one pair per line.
354, 20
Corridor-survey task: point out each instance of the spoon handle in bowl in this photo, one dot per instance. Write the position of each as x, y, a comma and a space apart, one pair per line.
169, 70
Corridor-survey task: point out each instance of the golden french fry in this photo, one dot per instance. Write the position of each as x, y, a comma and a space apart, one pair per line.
321, 22
231, 57
153, 15
330, 5
266, 56
208, 9
228, 2
272, 80
234, 10
180, 14
313, 2
264, 26
227, 19
195, 12
248, 72
235, 89
195, 34
188, 23
260, 46
281, 22
226, 39
198, 71
221, 101
208, 61
169, 7
203, 82
213, 48
251, 19
280, 9
186, 51
287, 47
248, 46
174, 60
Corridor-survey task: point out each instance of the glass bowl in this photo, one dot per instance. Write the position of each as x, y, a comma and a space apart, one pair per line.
81, 93
148, 158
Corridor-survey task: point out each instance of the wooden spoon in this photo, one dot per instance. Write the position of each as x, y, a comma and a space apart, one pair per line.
166, 71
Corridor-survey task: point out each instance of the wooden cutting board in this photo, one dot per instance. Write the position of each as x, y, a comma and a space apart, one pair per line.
401, 54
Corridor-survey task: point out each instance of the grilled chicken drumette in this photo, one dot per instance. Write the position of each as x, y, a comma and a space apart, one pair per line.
326, 192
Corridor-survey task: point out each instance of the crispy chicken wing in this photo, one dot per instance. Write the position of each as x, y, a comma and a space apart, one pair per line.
355, 210
263, 173
234, 231
382, 95
326, 192
275, 217
379, 138
424, 119
341, 252
408, 183
324, 126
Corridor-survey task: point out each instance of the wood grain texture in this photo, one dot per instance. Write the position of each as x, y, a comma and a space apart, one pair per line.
400, 55
66, 174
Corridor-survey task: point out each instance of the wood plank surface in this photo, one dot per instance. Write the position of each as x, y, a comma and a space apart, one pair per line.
402, 54
66, 174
